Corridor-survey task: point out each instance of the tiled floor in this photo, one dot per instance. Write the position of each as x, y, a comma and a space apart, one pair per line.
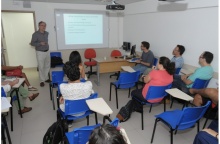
31, 128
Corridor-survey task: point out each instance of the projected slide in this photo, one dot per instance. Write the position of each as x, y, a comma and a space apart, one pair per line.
83, 29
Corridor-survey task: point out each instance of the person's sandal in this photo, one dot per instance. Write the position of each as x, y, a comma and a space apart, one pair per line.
32, 89
25, 109
31, 98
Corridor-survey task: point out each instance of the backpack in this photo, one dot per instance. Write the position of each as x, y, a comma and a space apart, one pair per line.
56, 61
125, 112
55, 134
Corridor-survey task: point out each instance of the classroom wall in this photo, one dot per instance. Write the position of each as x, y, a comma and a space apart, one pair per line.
192, 23
45, 12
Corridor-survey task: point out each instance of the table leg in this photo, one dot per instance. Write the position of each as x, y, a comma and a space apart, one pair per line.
18, 102
6, 128
98, 75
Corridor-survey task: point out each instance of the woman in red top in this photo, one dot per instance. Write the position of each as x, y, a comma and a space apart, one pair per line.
161, 77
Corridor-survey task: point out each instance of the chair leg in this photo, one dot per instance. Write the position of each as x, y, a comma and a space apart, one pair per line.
6, 128
164, 103
50, 88
11, 112
116, 92
205, 123
171, 136
142, 117
150, 108
155, 125
110, 92
198, 126
171, 103
129, 91
87, 117
96, 119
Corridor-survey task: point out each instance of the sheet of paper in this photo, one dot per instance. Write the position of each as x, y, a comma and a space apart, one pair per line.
5, 103
128, 69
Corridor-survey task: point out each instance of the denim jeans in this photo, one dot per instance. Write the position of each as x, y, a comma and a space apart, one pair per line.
178, 83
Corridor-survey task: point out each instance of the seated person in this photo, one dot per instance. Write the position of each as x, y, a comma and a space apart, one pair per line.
23, 75
74, 89
184, 82
208, 135
161, 77
204, 95
107, 134
177, 56
147, 58
22, 94
75, 58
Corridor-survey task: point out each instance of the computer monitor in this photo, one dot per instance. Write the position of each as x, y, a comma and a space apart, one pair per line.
126, 46
133, 53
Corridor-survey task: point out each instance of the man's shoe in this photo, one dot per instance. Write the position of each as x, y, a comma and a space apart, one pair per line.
48, 81
31, 98
25, 109
42, 84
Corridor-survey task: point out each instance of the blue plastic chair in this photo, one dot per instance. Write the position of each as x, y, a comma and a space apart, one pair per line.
126, 81
73, 107
177, 71
181, 119
3, 92
154, 92
57, 77
56, 54
200, 84
155, 61
80, 135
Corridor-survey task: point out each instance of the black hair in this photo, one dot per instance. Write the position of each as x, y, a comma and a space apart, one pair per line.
72, 71
167, 64
41, 23
146, 44
208, 56
106, 134
75, 57
181, 49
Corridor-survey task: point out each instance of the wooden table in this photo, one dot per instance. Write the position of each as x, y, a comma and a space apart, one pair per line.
110, 64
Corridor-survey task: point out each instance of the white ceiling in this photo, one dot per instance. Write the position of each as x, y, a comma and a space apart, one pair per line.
95, 2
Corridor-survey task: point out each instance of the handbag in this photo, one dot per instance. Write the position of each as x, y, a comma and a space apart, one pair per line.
15, 72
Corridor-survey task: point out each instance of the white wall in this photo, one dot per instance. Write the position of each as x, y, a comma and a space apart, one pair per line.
195, 27
45, 12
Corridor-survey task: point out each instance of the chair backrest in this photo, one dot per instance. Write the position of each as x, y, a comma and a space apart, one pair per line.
3, 92
90, 53
115, 53
57, 76
155, 92
190, 115
73, 107
127, 79
115, 122
56, 54
80, 135
155, 61
200, 84
177, 71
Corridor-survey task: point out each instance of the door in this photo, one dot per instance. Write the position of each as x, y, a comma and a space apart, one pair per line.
18, 28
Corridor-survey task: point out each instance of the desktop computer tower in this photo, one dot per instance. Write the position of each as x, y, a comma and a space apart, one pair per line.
126, 46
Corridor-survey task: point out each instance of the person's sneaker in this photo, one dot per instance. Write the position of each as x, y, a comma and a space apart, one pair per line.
42, 84
48, 81
32, 88
25, 109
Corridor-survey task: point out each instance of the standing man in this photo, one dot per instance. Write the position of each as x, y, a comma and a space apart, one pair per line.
205, 72
147, 58
40, 41
177, 56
